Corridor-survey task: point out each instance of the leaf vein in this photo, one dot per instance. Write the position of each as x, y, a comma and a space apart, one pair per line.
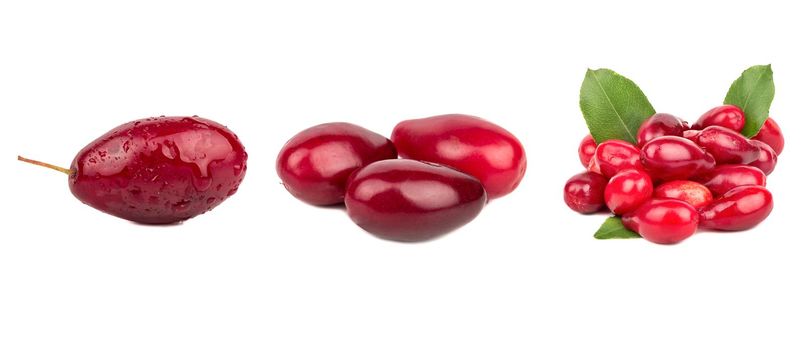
753, 89
620, 118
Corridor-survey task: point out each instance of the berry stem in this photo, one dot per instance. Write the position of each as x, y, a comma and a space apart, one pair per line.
46, 165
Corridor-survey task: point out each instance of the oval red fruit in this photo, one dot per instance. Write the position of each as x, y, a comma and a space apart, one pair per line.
770, 133
627, 191
724, 178
467, 143
739, 209
674, 158
660, 124
613, 156
727, 146
663, 221
411, 201
584, 192
586, 149
314, 164
727, 116
767, 158
691, 192
159, 170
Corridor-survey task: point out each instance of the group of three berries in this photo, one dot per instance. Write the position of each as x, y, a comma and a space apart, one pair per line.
452, 165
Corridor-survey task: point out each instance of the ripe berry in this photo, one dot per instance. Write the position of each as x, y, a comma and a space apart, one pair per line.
658, 125
314, 164
727, 146
158, 170
663, 221
613, 156
724, 178
739, 209
674, 158
771, 134
587, 147
627, 191
727, 116
690, 192
767, 158
411, 201
467, 143
584, 192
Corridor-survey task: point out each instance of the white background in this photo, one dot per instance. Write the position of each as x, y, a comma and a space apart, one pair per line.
264, 271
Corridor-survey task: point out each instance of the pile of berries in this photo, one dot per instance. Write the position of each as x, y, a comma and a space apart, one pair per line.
453, 164
678, 178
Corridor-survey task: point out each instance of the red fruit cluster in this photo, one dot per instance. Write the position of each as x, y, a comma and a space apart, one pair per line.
677, 178
452, 165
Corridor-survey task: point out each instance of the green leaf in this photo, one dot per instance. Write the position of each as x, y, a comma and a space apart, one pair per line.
753, 93
613, 106
614, 229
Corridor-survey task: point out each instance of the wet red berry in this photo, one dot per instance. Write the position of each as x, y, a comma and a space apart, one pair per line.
470, 144
587, 147
674, 158
690, 192
613, 156
724, 178
771, 134
627, 190
739, 209
411, 201
314, 164
727, 116
584, 192
663, 221
767, 158
159, 170
727, 146
658, 125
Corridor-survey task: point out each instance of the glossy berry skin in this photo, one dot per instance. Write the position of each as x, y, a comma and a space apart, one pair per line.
613, 156
770, 133
584, 192
674, 158
587, 147
727, 116
663, 221
725, 178
739, 209
691, 192
627, 191
159, 170
629, 221
412, 201
315, 164
660, 124
767, 158
469, 144
727, 146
